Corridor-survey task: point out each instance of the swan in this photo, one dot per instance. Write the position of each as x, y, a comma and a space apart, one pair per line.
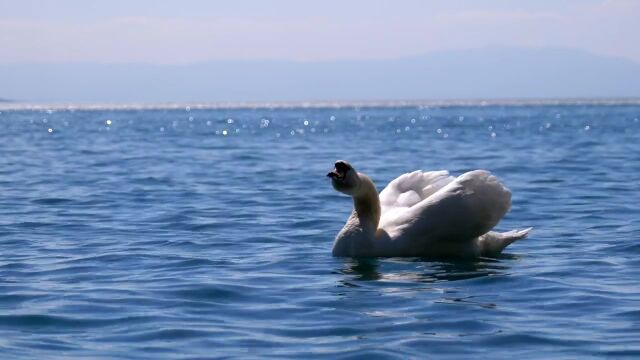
427, 214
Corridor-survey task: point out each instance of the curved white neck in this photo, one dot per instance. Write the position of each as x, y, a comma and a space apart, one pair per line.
358, 234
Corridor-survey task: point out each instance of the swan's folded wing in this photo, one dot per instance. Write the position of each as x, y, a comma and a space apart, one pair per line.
411, 188
467, 207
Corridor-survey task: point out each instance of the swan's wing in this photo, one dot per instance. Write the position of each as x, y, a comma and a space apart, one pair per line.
411, 188
466, 207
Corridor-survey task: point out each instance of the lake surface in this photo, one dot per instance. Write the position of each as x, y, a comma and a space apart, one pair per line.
197, 233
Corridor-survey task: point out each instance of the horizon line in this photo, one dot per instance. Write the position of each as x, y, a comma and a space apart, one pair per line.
8, 105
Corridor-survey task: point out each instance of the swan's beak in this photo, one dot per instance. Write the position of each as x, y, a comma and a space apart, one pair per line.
339, 171
336, 174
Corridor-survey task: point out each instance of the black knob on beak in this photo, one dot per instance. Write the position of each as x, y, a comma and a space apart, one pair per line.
342, 166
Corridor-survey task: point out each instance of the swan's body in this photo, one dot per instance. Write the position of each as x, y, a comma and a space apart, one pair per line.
423, 214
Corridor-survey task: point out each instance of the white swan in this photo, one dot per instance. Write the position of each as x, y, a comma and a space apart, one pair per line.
423, 214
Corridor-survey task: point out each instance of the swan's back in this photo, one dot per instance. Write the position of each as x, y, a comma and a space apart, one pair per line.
435, 205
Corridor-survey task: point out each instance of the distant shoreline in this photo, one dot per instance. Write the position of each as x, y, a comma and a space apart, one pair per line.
10, 105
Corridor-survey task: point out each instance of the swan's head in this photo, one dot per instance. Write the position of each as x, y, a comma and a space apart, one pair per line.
344, 178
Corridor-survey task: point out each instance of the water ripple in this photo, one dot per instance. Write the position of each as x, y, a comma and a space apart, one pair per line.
134, 242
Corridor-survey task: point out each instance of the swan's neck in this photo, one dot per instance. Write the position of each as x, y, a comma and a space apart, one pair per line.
366, 203
357, 236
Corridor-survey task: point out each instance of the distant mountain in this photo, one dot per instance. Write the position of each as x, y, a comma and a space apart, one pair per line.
493, 72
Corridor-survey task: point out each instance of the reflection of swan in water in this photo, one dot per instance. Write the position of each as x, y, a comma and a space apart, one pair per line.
423, 214
406, 277
404, 270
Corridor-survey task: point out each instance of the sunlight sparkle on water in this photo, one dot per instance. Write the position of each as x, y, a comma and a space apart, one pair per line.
195, 220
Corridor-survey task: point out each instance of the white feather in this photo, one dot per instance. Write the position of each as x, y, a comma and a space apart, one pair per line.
433, 213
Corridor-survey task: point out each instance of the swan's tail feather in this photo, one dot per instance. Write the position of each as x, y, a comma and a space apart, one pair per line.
492, 243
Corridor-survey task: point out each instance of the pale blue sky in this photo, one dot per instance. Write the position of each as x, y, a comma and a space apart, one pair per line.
179, 32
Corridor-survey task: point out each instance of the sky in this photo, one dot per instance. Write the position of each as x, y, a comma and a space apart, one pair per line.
192, 31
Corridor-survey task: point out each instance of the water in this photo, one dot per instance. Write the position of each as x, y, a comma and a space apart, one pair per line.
192, 233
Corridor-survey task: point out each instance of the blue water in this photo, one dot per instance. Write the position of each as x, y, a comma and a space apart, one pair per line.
197, 233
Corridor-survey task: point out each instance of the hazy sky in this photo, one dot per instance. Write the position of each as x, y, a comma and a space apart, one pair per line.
178, 32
